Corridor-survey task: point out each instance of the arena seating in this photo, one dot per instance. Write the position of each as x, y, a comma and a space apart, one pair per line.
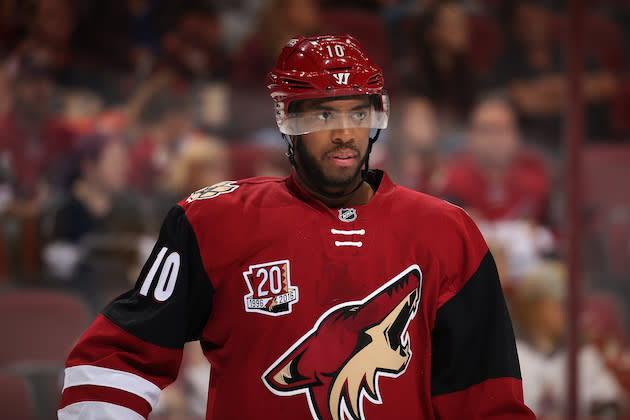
43, 325
605, 196
602, 39
485, 42
15, 398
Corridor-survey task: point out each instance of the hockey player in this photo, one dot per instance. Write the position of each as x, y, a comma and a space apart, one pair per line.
331, 294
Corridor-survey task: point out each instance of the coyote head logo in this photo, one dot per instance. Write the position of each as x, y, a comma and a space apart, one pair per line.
337, 364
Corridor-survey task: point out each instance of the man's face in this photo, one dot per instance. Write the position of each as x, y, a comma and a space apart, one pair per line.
331, 160
493, 135
32, 96
531, 24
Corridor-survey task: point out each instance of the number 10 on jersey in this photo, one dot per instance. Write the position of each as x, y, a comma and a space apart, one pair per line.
168, 276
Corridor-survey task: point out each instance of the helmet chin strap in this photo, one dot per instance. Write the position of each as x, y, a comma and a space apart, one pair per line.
291, 155
369, 150
291, 149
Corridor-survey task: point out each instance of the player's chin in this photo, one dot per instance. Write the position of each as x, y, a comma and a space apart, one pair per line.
344, 177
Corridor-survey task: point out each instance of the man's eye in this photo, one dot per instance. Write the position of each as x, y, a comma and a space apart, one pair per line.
324, 115
359, 115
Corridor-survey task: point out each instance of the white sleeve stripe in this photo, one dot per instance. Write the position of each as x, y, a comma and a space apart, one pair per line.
94, 375
94, 410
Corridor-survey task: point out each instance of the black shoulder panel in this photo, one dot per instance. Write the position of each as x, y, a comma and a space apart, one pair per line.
172, 299
473, 339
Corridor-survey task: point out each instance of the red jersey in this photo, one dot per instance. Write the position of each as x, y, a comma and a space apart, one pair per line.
389, 310
148, 164
523, 193
31, 160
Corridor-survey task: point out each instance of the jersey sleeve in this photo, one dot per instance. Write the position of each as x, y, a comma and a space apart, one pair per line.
475, 372
134, 348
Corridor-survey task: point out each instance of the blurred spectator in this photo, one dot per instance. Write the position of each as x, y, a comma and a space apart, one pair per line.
539, 313
164, 117
602, 324
33, 141
199, 161
238, 18
259, 159
5, 96
14, 16
273, 162
279, 21
89, 223
496, 178
504, 186
187, 397
434, 62
533, 69
115, 45
372, 5
81, 109
415, 158
48, 41
520, 244
192, 49
193, 59
102, 38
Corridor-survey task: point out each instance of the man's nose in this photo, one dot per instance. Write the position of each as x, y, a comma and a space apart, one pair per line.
343, 135
344, 132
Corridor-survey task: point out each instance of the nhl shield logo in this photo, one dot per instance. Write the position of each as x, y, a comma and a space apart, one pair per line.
348, 215
270, 289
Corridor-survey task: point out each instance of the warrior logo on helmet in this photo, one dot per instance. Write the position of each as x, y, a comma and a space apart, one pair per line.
338, 364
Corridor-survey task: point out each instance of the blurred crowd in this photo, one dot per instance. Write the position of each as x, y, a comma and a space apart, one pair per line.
112, 111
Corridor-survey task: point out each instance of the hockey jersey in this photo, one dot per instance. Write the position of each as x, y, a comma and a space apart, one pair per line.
388, 310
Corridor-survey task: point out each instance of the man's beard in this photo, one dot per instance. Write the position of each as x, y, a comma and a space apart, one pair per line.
312, 170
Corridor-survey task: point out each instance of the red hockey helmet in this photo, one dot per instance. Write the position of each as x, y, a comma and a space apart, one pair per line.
326, 66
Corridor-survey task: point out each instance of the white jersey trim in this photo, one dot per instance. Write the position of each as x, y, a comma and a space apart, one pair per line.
94, 375
347, 232
358, 244
95, 410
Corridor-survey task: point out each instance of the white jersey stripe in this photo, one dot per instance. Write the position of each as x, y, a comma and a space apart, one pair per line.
349, 243
94, 375
95, 410
347, 232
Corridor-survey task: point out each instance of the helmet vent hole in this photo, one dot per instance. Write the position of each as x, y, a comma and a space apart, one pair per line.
297, 84
374, 79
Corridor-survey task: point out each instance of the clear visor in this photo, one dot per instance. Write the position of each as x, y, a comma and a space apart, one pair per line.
328, 118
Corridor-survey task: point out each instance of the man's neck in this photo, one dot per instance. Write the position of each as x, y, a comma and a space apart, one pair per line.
360, 194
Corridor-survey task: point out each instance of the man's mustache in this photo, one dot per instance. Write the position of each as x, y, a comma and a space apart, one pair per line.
346, 149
